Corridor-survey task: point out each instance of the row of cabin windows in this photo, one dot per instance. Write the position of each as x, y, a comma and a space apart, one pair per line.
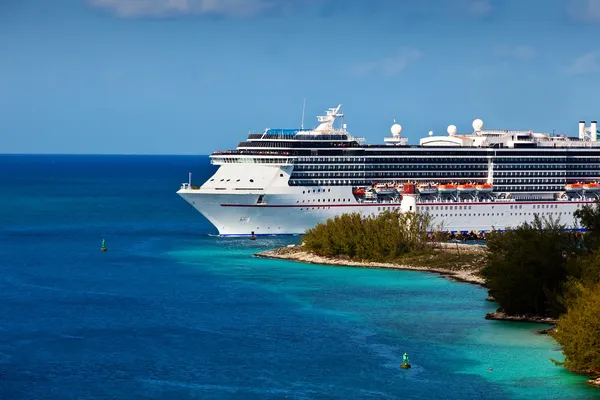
529, 173
346, 167
501, 214
323, 201
391, 175
412, 166
228, 180
455, 168
560, 158
296, 145
362, 159
250, 160
450, 159
558, 165
467, 207
362, 182
519, 180
315, 191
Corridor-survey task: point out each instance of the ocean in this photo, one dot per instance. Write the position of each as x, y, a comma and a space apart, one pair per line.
171, 311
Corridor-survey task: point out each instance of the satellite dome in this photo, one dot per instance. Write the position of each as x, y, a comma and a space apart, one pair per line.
396, 129
451, 130
477, 125
430, 133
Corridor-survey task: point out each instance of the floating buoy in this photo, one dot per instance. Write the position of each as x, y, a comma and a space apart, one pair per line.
252, 237
405, 363
103, 247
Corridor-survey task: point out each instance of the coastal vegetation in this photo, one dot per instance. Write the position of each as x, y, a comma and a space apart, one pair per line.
382, 238
578, 331
527, 267
545, 270
389, 237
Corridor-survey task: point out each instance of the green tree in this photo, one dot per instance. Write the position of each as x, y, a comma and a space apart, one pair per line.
589, 219
526, 268
578, 331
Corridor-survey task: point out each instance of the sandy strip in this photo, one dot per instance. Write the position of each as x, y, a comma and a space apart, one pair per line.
296, 254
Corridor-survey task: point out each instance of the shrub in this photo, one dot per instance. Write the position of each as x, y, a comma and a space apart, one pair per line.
384, 237
578, 331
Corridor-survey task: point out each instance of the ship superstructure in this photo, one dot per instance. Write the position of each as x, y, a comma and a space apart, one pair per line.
284, 181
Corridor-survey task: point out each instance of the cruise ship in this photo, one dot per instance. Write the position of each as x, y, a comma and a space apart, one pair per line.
284, 181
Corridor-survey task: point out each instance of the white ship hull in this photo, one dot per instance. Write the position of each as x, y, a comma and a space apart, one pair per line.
293, 210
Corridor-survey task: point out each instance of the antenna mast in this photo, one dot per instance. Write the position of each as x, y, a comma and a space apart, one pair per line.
303, 107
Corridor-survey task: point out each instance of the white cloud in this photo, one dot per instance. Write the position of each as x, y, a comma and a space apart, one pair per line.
479, 8
587, 63
167, 8
387, 66
584, 10
521, 53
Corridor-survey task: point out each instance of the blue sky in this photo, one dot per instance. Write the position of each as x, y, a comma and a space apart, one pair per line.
194, 76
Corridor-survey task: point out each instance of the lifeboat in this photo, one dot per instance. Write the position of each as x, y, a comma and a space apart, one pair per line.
371, 194
484, 188
427, 188
447, 188
591, 187
385, 188
358, 192
573, 187
465, 188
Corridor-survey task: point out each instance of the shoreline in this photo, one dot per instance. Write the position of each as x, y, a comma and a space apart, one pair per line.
466, 275
296, 253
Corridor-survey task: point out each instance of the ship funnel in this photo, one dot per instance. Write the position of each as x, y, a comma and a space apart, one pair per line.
594, 130
581, 130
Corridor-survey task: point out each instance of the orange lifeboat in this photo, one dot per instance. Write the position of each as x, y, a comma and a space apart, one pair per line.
465, 188
591, 187
447, 188
484, 187
358, 192
573, 187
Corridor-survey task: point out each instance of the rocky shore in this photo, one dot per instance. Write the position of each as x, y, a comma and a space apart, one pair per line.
594, 382
469, 274
502, 316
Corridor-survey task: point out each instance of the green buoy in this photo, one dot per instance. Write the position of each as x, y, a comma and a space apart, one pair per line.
405, 363
103, 248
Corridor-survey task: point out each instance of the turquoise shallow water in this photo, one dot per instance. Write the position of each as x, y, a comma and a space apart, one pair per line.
170, 312
385, 313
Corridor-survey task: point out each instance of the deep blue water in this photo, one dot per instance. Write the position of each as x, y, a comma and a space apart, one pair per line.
170, 312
